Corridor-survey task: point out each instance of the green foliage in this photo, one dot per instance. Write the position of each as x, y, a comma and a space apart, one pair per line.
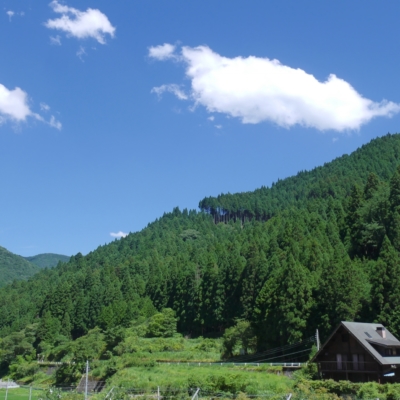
162, 324
14, 267
47, 260
310, 251
238, 337
18, 346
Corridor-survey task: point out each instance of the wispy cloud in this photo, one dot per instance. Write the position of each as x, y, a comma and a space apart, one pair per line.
171, 88
162, 52
10, 14
55, 40
55, 123
119, 234
44, 107
91, 23
14, 107
256, 89
81, 52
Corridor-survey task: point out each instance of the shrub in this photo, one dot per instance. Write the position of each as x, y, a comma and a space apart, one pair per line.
369, 390
162, 324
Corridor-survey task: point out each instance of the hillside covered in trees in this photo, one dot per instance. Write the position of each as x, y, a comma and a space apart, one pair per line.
308, 252
47, 260
13, 267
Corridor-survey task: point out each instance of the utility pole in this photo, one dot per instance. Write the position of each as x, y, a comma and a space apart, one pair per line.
317, 340
86, 380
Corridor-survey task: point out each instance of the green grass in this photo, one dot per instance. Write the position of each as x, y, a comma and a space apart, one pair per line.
20, 394
210, 378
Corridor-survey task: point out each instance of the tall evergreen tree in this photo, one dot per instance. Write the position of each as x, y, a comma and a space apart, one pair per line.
385, 290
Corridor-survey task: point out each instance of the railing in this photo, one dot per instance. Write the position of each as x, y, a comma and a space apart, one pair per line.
349, 366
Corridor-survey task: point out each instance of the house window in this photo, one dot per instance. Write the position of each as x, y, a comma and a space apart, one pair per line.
390, 352
361, 362
355, 362
339, 361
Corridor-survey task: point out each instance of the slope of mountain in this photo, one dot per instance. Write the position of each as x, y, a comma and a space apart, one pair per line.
47, 260
335, 179
324, 248
13, 267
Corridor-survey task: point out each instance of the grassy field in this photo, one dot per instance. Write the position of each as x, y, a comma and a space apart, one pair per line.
209, 378
20, 394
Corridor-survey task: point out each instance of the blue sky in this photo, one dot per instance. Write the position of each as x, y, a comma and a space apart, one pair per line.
112, 113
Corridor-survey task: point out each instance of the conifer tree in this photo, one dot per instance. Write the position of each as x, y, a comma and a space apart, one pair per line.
394, 200
385, 288
371, 186
283, 306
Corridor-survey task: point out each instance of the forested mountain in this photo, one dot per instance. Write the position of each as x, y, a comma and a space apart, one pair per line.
47, 260
334, 179
13, 267
308, 252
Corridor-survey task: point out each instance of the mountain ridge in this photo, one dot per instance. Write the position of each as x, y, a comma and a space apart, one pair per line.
13, 266
47, 260
320, 257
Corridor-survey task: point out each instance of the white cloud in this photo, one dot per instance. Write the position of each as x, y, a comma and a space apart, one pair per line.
81, 52
162, 52
14, 104
119, 234
54, 123
172, 88
91, 23
10, 14
211, 118
44, 107
56, 40
256, 89
14, 107
218, 126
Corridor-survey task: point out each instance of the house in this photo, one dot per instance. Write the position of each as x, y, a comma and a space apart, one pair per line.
360, 352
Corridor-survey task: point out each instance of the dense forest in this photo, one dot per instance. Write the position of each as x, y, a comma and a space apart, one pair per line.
47, 260
308, 252
13, 267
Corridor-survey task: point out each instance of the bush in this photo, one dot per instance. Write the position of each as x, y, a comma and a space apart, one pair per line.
162, 324
21, 369
226, 383
370, 390
239, 336
208, 345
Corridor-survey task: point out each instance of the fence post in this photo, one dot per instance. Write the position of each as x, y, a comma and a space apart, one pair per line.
109, 393
7, 389
30, 392
158, 392
86, 380
196, 394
